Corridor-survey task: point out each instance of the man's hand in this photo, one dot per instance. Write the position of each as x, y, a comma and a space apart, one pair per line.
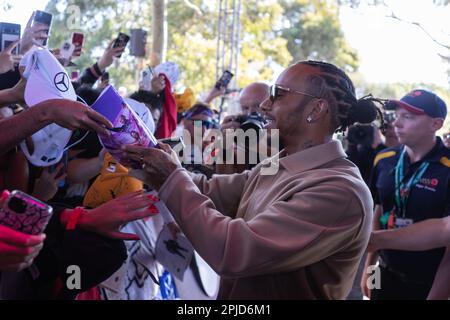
110, 217
7, 60
32, 35
229, 122
108, 56
75, 115
157, 164
17, 249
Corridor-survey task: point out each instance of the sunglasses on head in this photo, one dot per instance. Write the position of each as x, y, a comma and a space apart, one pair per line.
277, 90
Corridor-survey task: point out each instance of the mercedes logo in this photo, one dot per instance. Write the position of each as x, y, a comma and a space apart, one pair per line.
61, 81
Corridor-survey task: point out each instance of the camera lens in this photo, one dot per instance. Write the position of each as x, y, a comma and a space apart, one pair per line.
17, 205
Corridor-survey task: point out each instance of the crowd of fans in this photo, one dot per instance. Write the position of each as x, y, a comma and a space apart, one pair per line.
371, 220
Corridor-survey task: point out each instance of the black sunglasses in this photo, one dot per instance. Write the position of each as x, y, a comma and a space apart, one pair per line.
277, 90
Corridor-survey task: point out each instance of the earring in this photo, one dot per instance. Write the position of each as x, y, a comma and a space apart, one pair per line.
309, 119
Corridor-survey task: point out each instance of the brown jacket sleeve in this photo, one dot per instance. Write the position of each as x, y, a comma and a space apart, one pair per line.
310, 226
224, 190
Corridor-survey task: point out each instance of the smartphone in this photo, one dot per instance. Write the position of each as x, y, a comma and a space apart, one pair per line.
66, 50
146, 78
138, 42
77, 41
45, 19
25, 213
121, 41
224, 80
9, 32
172, 142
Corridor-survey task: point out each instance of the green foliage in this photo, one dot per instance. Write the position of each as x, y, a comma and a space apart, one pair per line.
266, 41
101, 21
313, 31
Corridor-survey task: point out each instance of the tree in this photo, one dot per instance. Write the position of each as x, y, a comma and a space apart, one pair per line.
100, 21
191, 39
194, 47
313, 31
159, 29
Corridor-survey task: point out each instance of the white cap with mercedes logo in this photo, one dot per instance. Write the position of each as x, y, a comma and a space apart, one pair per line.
46, 79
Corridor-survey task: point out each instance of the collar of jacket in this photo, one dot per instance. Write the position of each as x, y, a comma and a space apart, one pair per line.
309, 158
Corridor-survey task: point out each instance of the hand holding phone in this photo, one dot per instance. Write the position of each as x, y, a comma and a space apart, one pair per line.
66, 51
9, 34
121, 41
7, 60
77, 41
224, 80
43, 19
25, 213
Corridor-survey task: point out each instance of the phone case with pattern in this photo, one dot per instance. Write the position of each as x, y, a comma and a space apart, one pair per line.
24, 213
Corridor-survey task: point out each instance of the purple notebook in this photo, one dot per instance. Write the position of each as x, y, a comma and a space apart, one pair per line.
128, 128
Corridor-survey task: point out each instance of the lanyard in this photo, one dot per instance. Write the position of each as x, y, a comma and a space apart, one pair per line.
402, 188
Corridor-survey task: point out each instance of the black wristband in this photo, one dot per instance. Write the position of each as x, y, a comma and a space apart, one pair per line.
97, 70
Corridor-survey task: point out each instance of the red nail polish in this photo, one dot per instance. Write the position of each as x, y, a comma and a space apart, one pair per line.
5, 195
153, 209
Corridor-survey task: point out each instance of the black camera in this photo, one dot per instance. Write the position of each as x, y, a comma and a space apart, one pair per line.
362, 134
252, 121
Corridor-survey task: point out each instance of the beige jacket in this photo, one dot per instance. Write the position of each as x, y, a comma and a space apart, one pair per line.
299, 234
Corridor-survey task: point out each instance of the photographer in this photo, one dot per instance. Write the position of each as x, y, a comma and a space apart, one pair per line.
250, 100
365, 141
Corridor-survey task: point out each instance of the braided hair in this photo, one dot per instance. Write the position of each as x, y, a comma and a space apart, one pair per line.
335, 86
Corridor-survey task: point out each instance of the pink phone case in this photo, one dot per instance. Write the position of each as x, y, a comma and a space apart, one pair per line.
24, 213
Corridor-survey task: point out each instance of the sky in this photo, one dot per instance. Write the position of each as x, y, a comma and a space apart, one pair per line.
395, 51
389, 50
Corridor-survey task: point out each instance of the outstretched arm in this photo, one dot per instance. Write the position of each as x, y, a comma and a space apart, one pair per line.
424, 235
